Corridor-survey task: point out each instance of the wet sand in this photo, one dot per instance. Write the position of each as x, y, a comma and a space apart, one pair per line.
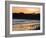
24, 27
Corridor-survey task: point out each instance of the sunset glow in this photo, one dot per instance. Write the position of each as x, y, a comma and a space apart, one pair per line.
25, 10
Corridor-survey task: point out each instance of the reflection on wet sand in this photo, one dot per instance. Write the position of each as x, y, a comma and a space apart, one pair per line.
24, 27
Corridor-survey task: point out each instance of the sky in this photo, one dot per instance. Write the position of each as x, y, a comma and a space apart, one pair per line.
26, 10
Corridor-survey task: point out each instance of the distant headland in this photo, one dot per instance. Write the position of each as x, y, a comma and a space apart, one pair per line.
21, 15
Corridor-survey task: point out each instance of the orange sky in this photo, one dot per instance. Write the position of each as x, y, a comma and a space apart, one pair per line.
26, 10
